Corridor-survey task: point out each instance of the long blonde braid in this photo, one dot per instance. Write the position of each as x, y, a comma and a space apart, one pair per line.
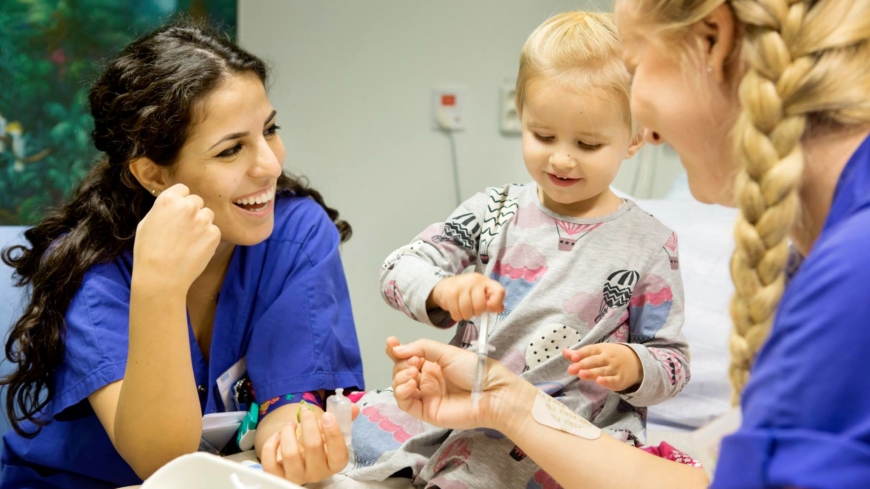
807, 66
788, 86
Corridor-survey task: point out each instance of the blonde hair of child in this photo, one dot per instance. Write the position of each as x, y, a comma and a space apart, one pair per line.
807, 68
580, 51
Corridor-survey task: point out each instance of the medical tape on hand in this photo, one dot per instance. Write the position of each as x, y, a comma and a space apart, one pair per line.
550, 412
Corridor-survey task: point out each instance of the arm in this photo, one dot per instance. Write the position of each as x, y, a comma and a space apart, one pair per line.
158, 397
410, 274
608, 463
304, 341
432, 382
657, 309
654, 365
153, 415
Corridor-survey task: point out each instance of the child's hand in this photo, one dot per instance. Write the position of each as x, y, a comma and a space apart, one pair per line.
612, 365
466, 296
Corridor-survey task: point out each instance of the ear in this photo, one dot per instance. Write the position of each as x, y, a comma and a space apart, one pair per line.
717, 36
153, 177
635, 145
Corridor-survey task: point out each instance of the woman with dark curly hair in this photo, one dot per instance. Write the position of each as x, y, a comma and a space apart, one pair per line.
185, 261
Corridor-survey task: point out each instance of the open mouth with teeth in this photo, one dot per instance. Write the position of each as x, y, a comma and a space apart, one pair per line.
562, 181
258, 202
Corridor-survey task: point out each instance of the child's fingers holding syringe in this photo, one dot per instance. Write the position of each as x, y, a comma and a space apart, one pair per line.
494, 297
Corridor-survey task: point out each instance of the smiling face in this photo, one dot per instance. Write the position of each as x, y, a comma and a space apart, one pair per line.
678, 101
233, 159
573, 146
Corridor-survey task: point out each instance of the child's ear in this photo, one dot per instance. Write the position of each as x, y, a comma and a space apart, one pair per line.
153, 177
636, 144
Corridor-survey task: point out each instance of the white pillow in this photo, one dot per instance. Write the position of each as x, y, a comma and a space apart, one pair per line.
705, 247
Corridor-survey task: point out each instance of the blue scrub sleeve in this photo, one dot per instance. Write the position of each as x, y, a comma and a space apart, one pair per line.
306, 339
95, 337
806, 410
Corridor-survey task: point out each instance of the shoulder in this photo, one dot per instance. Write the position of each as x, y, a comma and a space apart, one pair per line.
494, 198
646, 227
806, 395
112, 276
300, 220
515, 191
834, 277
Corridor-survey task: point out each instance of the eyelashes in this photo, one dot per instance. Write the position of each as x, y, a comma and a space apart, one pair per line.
580, 144
235, 149
230, 152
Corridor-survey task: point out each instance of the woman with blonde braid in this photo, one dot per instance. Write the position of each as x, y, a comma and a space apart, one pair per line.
768, 104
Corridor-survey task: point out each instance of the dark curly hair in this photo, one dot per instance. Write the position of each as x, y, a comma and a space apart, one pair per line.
143, 105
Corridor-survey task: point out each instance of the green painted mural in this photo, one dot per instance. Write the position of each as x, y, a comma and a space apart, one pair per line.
50, 52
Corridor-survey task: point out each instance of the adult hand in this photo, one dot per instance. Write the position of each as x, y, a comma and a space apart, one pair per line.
432, 382
176, 239
305, 452
467, 295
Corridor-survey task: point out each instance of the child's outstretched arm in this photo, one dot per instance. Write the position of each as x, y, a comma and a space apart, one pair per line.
424, 279
653, 365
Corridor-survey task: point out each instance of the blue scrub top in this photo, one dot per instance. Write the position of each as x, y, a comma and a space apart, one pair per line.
284, 307
806, 409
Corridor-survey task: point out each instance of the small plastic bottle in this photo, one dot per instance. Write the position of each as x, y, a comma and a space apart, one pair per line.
340, 407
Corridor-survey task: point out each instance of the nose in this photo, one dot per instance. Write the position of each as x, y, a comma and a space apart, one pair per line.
562, 161
652, 137
267, 164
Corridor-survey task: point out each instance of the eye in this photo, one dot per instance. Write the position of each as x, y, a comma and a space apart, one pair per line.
230, 152
544, 139
271, 130
588, 147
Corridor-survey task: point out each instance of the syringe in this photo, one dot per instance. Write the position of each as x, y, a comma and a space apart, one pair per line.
482, 353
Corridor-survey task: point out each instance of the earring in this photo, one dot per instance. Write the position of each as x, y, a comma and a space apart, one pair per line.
153, 192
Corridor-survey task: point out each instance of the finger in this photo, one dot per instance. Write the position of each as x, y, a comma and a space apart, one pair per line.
407, 398
207, 215
179, 189
401, 365
409, 374
594, 373
413, 362
316, 466
571, 355
466, 306
612, 382
406, 390
269, 456
405, 375
452, 303
196, 200
495, 297
392, 342
214, 233
574, 368
294, 465
594, 361
431, 350
478, 300
354, 412
336, 450
588, 351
